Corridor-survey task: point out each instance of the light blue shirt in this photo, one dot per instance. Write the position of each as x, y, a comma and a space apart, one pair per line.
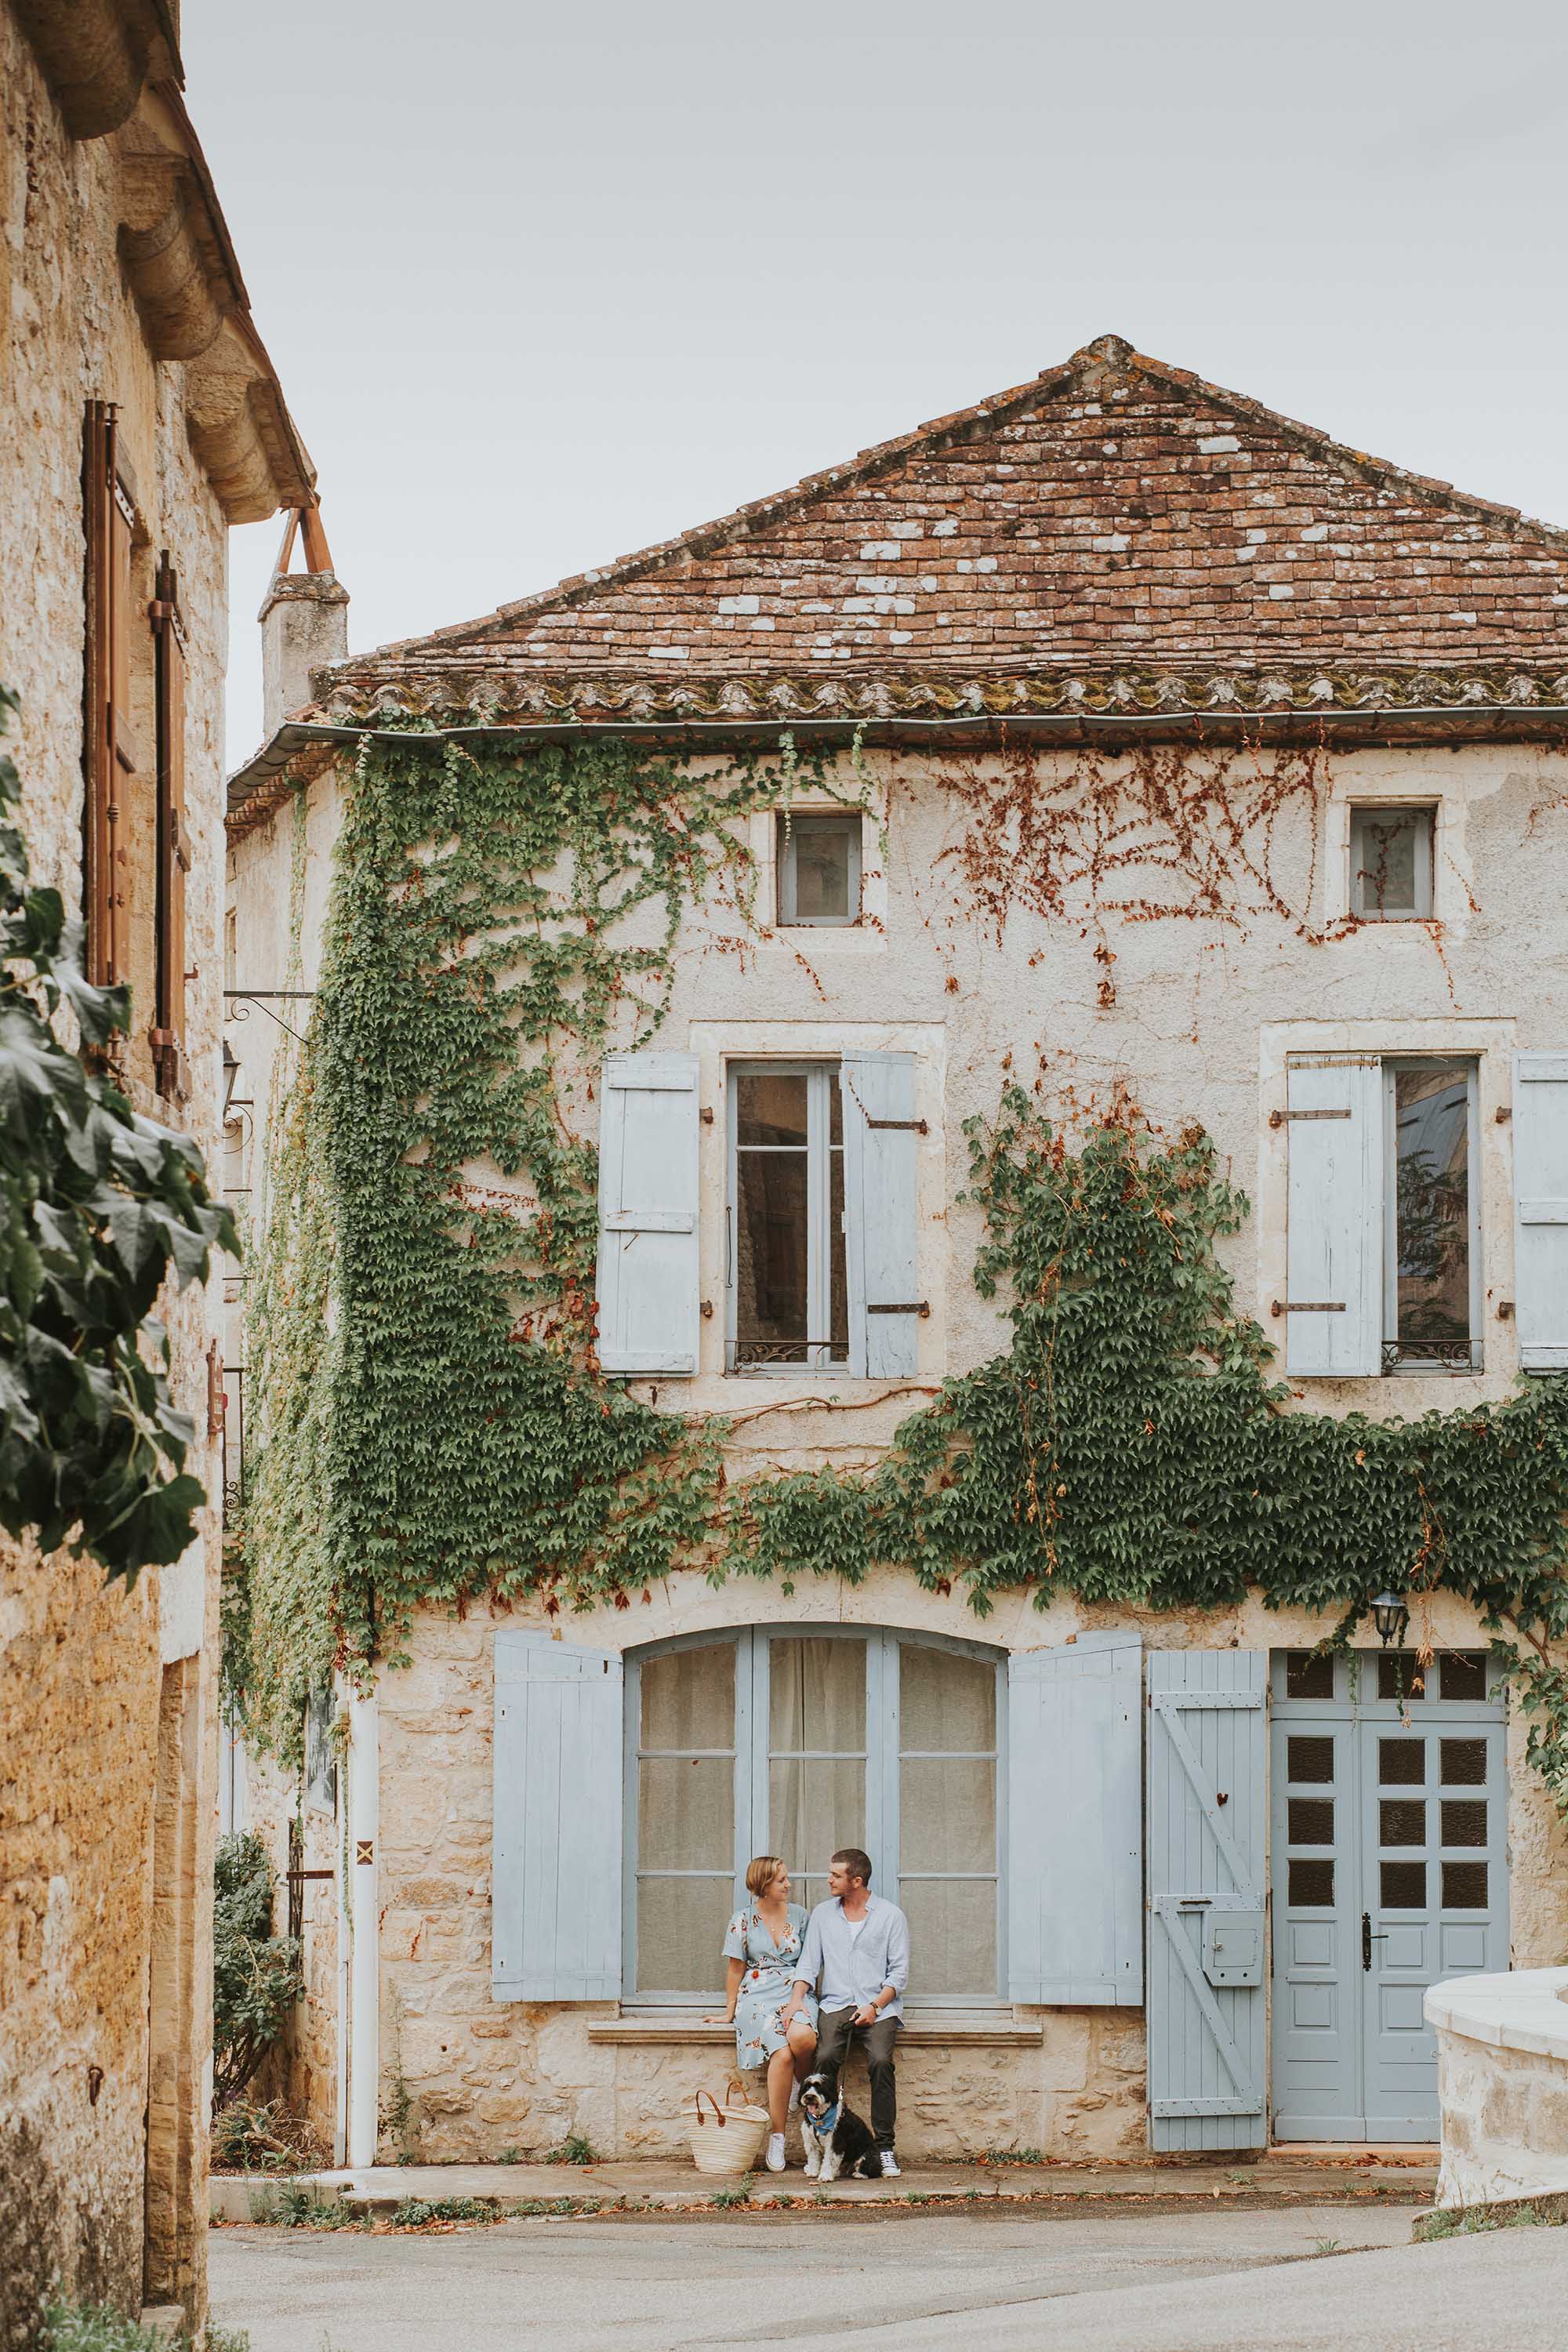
853, 1969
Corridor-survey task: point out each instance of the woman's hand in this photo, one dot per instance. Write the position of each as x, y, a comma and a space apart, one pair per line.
719, 2020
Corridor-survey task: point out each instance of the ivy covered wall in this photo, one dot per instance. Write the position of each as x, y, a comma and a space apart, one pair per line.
1102, 939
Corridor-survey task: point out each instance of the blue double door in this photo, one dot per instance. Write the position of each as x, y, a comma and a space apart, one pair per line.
1389, 1873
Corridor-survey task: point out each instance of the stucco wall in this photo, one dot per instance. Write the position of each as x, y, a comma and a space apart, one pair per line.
1502, 2081
82, 1666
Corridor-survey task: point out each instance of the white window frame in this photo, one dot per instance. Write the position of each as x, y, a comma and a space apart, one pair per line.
1393, 1367
787, 824
751, 1756
1379, 811
818, 1196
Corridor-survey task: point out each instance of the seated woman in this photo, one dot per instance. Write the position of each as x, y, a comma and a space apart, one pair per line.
762, 1946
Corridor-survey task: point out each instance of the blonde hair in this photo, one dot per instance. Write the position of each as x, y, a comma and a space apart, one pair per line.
761, 1872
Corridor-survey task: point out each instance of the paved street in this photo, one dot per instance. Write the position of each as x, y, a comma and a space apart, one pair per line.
1180, 2281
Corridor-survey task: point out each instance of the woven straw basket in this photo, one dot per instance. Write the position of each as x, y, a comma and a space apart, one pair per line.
726, 2143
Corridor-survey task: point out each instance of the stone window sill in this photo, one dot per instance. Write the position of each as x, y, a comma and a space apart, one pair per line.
931, 2032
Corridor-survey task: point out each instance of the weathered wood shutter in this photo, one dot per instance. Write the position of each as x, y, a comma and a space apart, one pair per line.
881, 1135
648, 1306
1075, 1823
1333, 1302
168, 1033
1541, 1210
555, 1870
109, 754
1207, 1856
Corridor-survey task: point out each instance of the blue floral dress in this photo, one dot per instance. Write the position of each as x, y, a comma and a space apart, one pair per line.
767, 1982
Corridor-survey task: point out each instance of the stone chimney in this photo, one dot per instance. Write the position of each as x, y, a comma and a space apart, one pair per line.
304, 621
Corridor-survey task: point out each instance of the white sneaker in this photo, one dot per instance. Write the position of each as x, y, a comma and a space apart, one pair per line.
813, 2159
891, 2170
775, 2155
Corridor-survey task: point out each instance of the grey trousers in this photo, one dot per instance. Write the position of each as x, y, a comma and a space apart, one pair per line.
834, 2033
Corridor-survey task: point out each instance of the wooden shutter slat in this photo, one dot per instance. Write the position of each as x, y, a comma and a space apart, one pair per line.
556, 1864
647, 1272
881, 1136
1541, 1210
1335, 1222
1075, 1877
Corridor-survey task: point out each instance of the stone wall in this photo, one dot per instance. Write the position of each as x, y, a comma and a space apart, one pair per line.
106, 1695
1502, 2080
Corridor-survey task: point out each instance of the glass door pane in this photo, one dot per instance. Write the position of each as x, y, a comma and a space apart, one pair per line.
948, 1877
686, 1817
817, 1753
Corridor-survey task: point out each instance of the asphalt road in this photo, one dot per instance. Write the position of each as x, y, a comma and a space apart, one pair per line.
1182, 2282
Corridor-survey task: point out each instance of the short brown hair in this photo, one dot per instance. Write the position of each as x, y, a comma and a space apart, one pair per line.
761, 1872
856, 1863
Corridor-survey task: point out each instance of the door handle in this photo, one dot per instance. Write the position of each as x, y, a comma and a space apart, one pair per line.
1368, 1939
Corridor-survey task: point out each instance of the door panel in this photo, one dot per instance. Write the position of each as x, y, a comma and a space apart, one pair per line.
1316, 2024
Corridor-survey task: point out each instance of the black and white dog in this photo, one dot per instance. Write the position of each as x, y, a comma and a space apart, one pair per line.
837, 2141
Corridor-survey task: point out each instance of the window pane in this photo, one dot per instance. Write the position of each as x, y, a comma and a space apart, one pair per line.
947, 1813
1312, 1821
1403, 1885
1309, 1674
944, 1702
1464, 1886
1431, 1110
1463, 1674
1402, 1821
838, 1272
1311, 1886
688, 1699
952, 1930
771, 1257
813, 1810
685, 1813
1464, 1763
819, 853
1391, 851
1464, 1821
1309, 1760
1400, 1675
816, 1696
770, 1107
1401, 1763
680, 1933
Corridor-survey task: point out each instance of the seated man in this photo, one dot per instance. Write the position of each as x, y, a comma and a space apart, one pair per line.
857, 1945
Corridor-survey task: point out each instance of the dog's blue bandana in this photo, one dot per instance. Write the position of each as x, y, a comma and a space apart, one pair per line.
825, 2122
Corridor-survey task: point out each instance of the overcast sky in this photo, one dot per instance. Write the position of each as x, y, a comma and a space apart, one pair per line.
543, 285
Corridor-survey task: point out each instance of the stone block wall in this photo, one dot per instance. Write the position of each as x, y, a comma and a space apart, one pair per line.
1502, 2080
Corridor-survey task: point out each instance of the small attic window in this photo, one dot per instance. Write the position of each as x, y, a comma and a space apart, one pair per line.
819, 869
1391, 864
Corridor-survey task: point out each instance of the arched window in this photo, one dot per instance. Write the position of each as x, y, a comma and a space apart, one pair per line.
797, 1741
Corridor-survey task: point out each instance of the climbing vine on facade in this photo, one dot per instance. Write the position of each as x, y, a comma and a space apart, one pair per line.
435, 1428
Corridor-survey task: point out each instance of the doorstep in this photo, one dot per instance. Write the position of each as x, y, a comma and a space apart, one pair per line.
674, 2183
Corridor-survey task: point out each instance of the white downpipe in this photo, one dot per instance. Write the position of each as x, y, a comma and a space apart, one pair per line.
343, 1861
364, 1986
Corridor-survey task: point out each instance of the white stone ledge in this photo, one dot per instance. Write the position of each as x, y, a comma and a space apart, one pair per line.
1526, 2009
927, 2033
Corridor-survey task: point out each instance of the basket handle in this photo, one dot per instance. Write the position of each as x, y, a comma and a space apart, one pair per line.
720, 2117
735, 2093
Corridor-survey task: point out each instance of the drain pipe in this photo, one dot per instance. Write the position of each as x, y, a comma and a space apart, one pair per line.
365, 1947
345, 1930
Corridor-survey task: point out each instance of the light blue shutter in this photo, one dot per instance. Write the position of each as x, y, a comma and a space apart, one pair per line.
648, 1306
1075, 1823
880, 1133
1207, 1856
1541, 1210
1333, 1283
555, 1853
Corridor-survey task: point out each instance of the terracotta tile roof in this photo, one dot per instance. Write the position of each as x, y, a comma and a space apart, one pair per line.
1116, 520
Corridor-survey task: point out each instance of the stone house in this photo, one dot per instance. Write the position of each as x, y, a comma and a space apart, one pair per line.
140, 416
1136, 740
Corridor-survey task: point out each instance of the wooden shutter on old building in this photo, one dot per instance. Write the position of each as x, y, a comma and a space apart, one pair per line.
555, 1854
1333, 1302
168, 1032
648, 1277
105, 692
1207, 1831
1075, 1813
881, 1135
1541, 1210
